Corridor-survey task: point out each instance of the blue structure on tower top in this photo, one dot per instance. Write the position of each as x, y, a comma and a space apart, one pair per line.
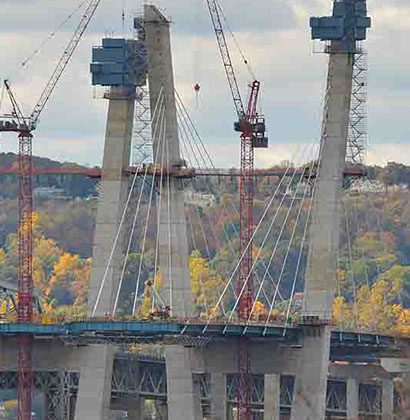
119, 62
347, 25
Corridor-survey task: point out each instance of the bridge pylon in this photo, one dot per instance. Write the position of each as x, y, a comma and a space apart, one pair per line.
116, 65
173, 238
183, 389
342, 30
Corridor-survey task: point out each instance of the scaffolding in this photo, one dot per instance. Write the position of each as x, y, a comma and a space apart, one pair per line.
141, 134
357, 136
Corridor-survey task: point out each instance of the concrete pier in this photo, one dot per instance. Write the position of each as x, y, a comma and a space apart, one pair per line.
272, 397
352, 399
184, 397
94, 392
219, 396
387, 399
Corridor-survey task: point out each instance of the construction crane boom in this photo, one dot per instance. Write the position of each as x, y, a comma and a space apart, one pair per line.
16, 122
62, 64
226, 57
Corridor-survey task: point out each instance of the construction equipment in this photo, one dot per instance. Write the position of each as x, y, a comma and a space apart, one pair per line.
252, 133
24, 126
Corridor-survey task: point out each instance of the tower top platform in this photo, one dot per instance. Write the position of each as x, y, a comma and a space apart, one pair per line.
347, 25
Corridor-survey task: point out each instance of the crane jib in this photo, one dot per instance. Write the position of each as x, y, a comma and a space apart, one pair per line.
62, 64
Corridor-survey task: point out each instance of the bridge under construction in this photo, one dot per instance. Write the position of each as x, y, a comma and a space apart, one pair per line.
227, 365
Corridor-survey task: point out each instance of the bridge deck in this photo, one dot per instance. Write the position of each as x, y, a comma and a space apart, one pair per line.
117, 331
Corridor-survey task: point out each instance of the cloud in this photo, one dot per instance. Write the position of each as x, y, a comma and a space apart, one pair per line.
275, 38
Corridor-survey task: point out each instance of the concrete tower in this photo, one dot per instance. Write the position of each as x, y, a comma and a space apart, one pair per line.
343, 29
173, 238
117, 65
183, 390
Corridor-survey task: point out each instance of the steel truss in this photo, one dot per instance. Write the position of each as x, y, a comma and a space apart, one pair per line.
336, 401
135, 377
370, 400
132, 377
357, 135
59, 388
142, 134
9, 300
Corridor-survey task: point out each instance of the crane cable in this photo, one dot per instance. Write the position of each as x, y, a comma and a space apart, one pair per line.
53, 34
245, 60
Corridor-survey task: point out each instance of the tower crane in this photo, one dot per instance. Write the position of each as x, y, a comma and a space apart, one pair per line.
24, 127
251, 127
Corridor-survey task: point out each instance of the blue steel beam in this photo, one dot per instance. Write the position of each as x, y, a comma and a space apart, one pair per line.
112, 330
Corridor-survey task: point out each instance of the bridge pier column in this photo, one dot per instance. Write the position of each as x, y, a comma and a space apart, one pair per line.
184, 399
311, 382
387, 399
272, 397
94, 391
219, 396
352, 399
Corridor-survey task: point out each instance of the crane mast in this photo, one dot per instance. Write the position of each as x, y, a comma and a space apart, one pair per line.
252, 134
16, 122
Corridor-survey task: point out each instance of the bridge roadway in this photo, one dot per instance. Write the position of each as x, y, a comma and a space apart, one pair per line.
202, 332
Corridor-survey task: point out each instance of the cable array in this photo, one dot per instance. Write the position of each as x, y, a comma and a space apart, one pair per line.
283, 222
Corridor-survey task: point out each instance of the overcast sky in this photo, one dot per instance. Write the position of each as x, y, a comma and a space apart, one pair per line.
275, 37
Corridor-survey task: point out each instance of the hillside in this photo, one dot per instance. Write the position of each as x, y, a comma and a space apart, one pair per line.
374, 258
73, 185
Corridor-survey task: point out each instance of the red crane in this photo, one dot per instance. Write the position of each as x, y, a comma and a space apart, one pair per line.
252, 133
24, 126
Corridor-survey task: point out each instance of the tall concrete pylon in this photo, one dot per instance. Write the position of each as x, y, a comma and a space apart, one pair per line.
183, 388
93, 401
173, 237
113, 196
347, 25
94, 394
